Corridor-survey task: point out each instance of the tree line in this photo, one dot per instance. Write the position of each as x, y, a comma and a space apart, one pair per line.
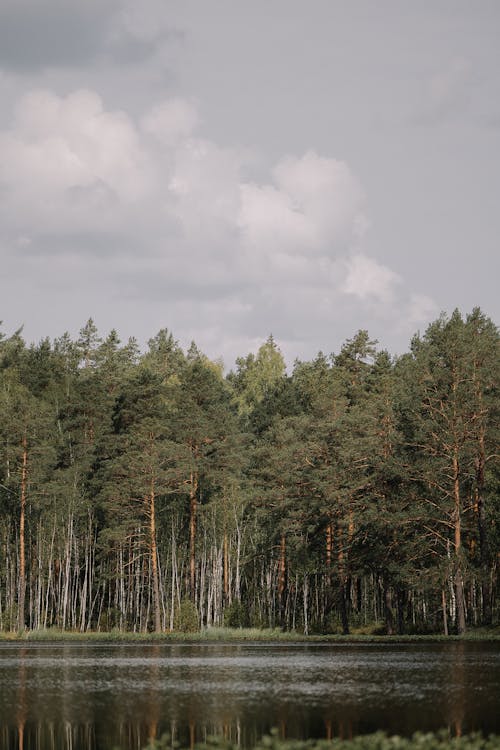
149, 491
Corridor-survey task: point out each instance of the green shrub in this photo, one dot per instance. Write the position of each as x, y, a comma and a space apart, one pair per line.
186, 617
372, 628
378, 741
236, 615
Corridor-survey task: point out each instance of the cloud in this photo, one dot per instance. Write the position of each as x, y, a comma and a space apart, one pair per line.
269, 220
367, 279
69, 165
313, 207
326, 192
147, 220
172, 121
420, 310
204, 191
146, 22
140, 31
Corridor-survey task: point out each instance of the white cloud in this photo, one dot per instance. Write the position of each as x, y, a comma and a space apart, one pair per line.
204, 189
367, 279
326, 192
313, 207
68, 165
421, 309
171, 121
269, 220
150, 212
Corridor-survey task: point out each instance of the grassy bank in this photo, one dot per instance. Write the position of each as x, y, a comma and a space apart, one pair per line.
238, 635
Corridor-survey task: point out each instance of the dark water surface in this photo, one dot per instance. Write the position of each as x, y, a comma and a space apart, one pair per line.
90, 696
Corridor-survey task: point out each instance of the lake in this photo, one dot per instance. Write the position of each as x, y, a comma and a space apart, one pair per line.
97, 696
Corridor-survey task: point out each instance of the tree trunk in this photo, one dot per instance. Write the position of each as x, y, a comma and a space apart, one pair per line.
459, 586
192, 533
479, 505
306, 603
154, 559
389, 615
400, 600
344, 618
327, 599
22, 553
483, 538
282, 577
445, 612
329, 545
226, 569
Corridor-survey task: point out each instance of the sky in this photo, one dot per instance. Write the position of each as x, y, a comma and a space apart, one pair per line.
229, 169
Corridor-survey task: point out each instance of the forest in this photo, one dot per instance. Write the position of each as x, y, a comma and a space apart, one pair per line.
149, 491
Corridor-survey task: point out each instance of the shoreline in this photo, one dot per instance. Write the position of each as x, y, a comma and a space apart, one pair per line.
237, 635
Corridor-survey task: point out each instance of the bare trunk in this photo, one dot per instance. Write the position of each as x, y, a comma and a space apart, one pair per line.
484, 551
192, 533
483, 539
400, 600
174, 580
459, 587
327, 598
238, 555
342, 586
389, 615
22, 552
226, 569
329, 544
306, 603
445, 612
282, 577
154, 559
67, 571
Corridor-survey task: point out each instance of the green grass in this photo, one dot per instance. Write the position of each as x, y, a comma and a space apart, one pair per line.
225, 635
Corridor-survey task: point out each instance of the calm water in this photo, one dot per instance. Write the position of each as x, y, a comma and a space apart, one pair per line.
98, 696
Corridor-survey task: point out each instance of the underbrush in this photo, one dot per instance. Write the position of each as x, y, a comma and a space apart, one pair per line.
226, 634
378, 741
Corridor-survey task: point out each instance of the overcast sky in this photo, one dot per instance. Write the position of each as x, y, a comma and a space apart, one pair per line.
228, 169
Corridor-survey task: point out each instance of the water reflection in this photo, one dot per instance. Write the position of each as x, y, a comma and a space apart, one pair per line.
90, 697
458, 678
22, 708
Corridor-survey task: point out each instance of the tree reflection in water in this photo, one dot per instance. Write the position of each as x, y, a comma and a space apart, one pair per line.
96, 698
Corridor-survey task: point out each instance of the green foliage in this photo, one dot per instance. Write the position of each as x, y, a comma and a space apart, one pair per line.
257, 376
369, 634
236, 615
186, 618
360, 488
377, 741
